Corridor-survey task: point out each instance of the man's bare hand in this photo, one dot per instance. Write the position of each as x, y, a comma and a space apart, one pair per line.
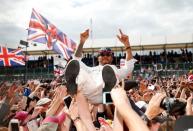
189, 109
153, 108
119, 95
123, 38
84, 36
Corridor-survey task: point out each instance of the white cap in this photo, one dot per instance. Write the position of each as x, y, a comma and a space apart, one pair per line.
151, 87
43, 101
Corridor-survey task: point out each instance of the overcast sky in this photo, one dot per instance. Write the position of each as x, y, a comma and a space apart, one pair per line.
134, 17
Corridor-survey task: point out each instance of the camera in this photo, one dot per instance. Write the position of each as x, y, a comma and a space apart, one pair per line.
129, 84
67, 100
173, 105
14, 125
107, 98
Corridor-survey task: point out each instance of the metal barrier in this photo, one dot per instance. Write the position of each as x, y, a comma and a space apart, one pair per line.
18, 73
162, 70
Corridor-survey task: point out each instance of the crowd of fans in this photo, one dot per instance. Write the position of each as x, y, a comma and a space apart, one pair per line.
39, 105
184, 56
74, 103
41, 62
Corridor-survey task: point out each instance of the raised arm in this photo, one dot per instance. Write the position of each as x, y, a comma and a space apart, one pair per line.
83, 109
127, 69
123, 38
118, 121
123, 106
189, 106
83, 37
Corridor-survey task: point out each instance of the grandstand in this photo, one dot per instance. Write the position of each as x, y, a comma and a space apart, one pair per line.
44, 67
121, 48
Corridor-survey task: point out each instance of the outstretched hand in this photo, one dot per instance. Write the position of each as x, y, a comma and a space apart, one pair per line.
84, 36
119, 95
153, 108
73, 110
189, 109
123, 38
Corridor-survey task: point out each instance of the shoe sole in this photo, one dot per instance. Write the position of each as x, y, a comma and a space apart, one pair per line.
109, 78
71, 73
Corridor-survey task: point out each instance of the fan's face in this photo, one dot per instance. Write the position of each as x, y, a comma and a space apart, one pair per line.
191, 86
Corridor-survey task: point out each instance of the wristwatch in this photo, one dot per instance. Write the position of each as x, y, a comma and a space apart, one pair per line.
126, 48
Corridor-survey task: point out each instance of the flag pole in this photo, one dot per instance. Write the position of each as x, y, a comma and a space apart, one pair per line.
91, 37
116, 53
165, 50
47, 57
26, 44
26, 70
192, 48
140, 40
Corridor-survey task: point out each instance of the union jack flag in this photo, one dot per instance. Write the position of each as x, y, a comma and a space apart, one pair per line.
42, 31
11, 57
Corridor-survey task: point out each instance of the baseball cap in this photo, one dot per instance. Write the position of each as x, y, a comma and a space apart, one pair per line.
43, 101
105, 51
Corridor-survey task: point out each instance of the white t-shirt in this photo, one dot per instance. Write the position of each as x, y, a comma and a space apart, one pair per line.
90, 79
